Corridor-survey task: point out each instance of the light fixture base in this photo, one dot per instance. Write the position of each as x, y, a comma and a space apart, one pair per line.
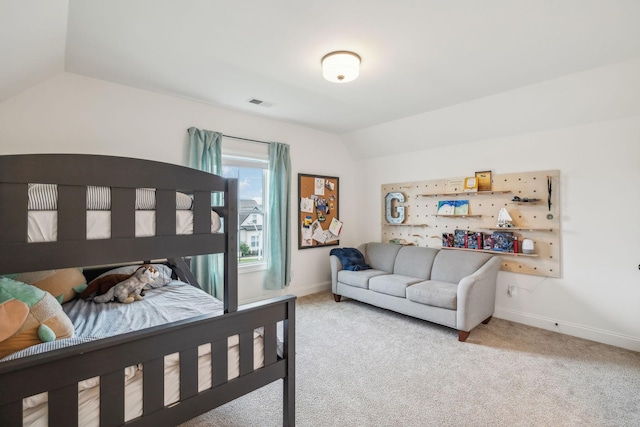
341, 66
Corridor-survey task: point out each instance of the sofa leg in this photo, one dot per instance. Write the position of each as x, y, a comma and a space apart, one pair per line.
487, 320
337, 297
463, 335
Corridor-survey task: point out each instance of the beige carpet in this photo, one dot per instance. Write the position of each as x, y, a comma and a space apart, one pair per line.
358, 365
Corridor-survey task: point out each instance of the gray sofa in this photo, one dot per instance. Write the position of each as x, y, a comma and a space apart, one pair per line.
452, 288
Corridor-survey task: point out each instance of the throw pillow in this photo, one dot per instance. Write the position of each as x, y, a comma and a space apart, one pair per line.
29, 316
63, 283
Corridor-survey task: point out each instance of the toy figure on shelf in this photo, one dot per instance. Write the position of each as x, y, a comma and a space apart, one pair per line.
504, 219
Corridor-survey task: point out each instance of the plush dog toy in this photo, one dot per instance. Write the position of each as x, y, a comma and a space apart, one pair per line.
129, 290
29, 316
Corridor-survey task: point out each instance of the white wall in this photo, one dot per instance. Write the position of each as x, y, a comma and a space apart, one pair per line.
69, 113
598, 294
599, 161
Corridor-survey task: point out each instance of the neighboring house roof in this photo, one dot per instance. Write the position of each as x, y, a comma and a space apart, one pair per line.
246, 208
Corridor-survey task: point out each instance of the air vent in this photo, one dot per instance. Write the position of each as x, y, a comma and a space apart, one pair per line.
259, 102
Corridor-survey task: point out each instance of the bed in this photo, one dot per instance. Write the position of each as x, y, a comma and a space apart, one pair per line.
158, 373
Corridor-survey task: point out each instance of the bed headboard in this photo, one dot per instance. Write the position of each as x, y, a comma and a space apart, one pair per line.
73, 173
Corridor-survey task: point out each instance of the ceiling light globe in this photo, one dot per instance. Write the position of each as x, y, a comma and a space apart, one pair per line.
341, 66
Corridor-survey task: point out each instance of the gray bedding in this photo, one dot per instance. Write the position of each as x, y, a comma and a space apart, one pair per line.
172, 302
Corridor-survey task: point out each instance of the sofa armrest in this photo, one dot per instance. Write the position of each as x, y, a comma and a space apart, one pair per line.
336, 266
477, 296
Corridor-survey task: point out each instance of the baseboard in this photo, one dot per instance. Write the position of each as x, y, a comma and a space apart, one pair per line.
301, 291
298, 291
573, 329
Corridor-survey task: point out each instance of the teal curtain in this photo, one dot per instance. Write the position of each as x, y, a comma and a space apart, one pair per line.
205, 148
279, 217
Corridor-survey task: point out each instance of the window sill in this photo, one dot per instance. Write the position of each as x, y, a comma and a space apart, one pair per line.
252, 267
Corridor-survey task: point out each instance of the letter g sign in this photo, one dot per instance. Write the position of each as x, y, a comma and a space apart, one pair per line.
391, 208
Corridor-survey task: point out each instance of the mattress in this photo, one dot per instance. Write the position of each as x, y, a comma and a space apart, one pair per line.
160, 305
43, 225
43, 215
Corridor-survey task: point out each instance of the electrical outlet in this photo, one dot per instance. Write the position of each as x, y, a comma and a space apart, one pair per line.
511, 290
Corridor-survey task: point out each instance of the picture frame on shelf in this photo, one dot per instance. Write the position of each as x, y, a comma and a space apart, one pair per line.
461, 207
454, 185
446, 207
483, 179
470, 185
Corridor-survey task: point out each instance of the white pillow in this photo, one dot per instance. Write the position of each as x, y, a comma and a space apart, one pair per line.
44, 197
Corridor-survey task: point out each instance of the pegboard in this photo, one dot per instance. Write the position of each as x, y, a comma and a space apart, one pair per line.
534, 220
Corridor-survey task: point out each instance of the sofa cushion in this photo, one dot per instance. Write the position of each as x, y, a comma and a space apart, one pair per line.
433, 292
415, 261
392, 284
382, 256
359, 279
451, 266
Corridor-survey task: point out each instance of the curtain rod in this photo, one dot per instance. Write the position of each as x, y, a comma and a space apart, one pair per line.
245, 139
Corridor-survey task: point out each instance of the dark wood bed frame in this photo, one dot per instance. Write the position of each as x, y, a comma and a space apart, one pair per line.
59, 371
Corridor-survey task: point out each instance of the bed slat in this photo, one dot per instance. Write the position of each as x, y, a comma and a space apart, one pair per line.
230, 255
112, 399
152, 381
72, 213
219, 362
188, 373
201, 212
63, 406
165, 213
13, 211
18, 258
270, 344
11, 414
246, 353
123, 215
289, 381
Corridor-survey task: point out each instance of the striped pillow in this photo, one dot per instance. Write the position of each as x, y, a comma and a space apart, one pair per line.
44, 197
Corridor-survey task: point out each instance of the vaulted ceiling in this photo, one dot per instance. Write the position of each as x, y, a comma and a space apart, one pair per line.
417, 55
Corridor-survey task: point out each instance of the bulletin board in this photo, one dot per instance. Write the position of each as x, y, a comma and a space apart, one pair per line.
318, 220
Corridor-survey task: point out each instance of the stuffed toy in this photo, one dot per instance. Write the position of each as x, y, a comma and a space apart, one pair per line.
101, 285
130, 289
29, 316
64, 283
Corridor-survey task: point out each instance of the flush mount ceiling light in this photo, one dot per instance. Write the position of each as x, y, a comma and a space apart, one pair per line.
341, 66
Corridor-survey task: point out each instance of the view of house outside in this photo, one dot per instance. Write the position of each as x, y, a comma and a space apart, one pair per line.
250, 212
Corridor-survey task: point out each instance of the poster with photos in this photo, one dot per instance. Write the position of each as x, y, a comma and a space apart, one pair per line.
318, 217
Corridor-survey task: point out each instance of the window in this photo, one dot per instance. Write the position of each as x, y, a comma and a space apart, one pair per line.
250, 169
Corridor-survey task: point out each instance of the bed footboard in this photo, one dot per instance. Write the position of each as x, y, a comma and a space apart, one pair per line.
59, 372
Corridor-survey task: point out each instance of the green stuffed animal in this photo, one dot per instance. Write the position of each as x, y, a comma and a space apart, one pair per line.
29, 316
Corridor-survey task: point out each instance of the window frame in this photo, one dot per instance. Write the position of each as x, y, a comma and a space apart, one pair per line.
254, 159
